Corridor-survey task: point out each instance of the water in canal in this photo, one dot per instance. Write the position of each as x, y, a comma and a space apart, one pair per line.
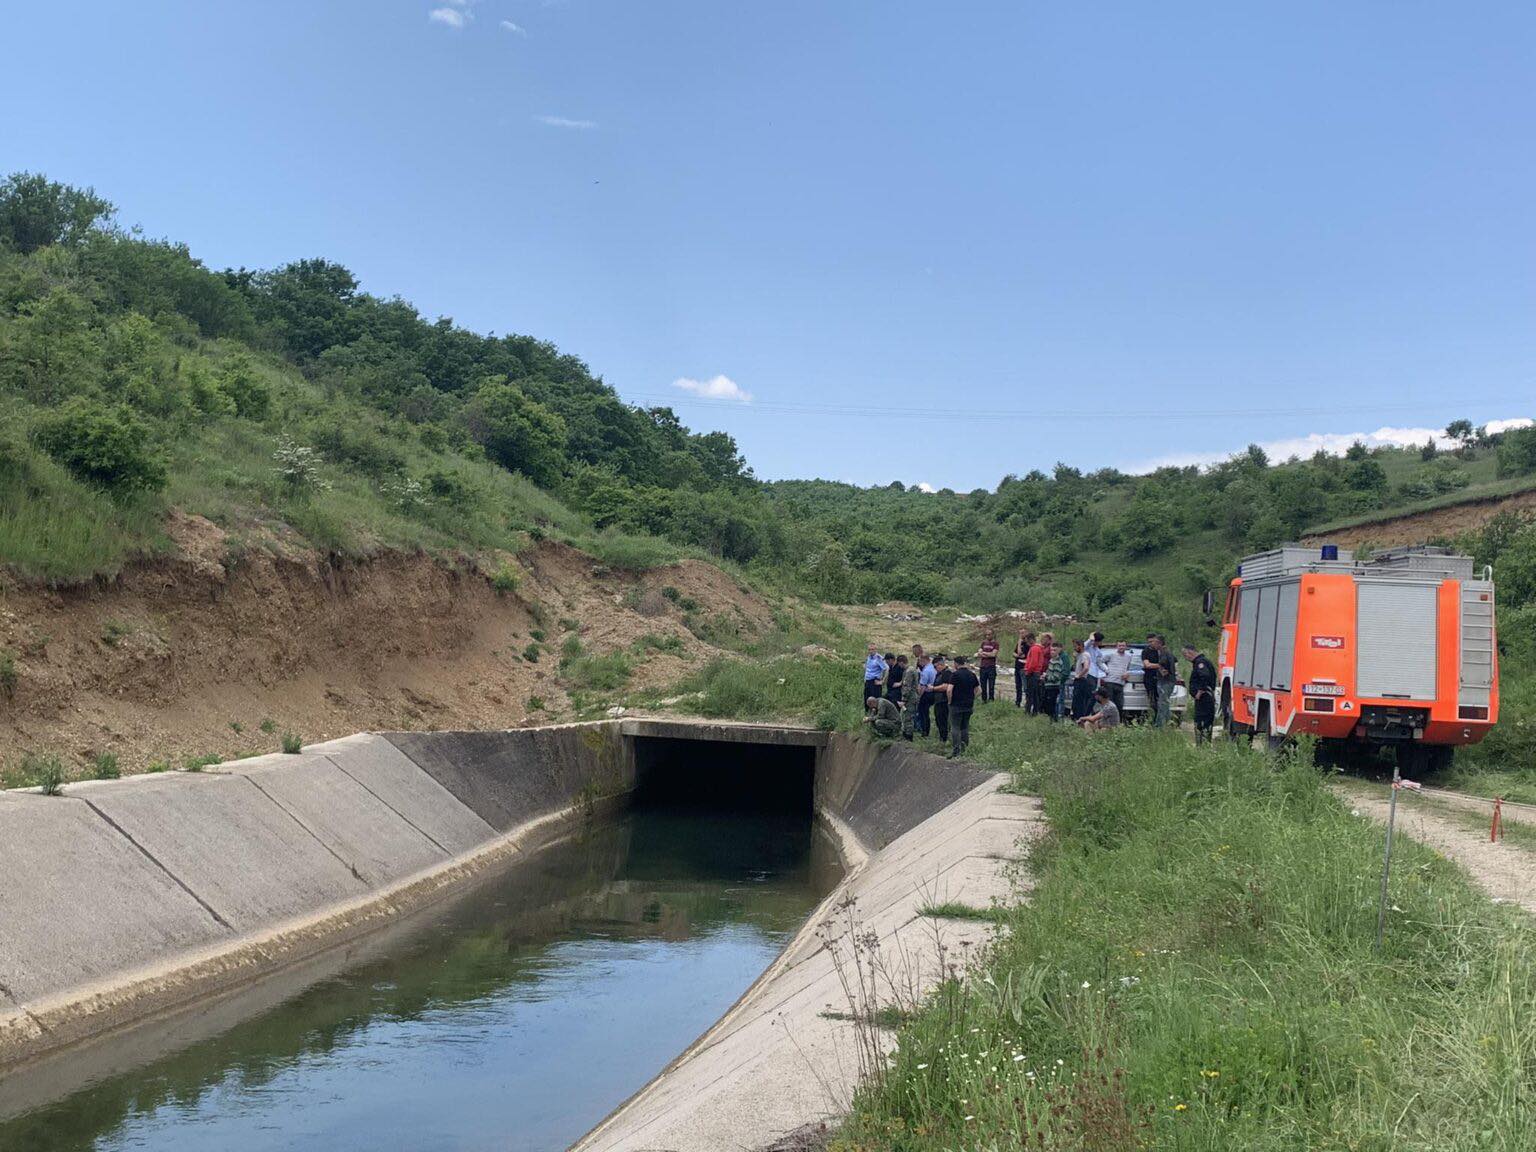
513, 1018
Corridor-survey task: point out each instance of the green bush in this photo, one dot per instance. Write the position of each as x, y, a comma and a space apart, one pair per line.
45, 773
531, 653
198, 763
627, 553
8, 674
105, 767
105, 445
292, 745
607, 673
1517, 452
505, 581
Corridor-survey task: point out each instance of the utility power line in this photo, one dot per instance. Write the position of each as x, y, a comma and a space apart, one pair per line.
1086, 414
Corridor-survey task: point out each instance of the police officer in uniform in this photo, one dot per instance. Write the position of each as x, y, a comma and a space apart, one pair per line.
1202, 691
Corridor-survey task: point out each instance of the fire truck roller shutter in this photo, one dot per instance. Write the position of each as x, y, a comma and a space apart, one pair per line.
1264, 636
1285, 634
1396, 639
1247, 628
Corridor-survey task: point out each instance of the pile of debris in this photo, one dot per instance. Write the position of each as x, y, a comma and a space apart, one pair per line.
897, 610
1014, 619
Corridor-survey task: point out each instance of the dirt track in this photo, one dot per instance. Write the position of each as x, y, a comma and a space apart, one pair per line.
1505, 870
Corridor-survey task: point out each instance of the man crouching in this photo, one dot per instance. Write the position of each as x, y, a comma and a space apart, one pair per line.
884, 716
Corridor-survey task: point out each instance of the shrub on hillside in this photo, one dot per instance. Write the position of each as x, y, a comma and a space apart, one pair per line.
105, 445
1517, 452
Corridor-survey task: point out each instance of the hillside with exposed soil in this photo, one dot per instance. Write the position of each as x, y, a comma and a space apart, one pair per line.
203, 653
1448, 522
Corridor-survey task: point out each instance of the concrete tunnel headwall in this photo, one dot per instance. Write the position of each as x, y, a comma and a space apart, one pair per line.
147, 894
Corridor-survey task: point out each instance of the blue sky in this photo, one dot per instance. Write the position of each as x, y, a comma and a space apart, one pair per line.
935, 243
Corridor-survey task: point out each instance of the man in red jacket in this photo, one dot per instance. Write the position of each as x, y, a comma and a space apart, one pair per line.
1035, 661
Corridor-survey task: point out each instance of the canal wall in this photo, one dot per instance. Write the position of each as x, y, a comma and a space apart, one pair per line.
131, 897
153, 896
919, 832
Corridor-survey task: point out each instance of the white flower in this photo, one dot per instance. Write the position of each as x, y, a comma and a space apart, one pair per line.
1060, 1063
1129, 981
1019, 1057
920, 1067
1354, 811
1086, 984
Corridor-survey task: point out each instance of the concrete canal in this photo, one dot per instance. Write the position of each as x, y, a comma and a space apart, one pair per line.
514, 1017
624, 935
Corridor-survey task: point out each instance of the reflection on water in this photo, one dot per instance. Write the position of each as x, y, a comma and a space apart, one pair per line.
514, 1018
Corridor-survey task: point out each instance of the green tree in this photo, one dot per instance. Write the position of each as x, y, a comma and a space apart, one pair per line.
518, 433
1517, 452
307, 304
52, 350
1516, 571
239, 380
1366, 475
35, 212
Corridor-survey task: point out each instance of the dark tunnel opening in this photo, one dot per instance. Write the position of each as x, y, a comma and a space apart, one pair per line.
724, 775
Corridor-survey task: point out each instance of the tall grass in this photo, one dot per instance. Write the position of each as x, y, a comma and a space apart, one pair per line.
1195, 970
822, 690
55, 528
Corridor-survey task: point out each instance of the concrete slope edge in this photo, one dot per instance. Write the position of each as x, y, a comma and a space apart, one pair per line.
153, 892
89, 1011
780, 1058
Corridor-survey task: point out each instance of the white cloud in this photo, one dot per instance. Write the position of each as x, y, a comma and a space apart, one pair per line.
1334, 443
566, 122
715, 388
515, 29
924, 486
454, 18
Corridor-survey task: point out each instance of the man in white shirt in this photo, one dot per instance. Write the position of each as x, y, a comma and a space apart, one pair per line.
1117, 667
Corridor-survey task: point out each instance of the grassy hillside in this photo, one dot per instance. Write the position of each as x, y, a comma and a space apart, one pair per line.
290, 406
133, 378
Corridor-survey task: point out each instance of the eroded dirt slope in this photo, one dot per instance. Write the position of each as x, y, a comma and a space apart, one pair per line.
195, 655
1432, 525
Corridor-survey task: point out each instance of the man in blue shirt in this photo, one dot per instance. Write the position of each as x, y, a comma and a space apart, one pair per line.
874, 675
925, 678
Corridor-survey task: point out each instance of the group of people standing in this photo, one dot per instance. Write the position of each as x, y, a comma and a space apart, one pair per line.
925, 694
910, 697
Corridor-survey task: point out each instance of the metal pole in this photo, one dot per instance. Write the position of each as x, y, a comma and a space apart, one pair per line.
1386, 864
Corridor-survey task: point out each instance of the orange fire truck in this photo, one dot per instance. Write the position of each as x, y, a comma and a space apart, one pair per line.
1397, 649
